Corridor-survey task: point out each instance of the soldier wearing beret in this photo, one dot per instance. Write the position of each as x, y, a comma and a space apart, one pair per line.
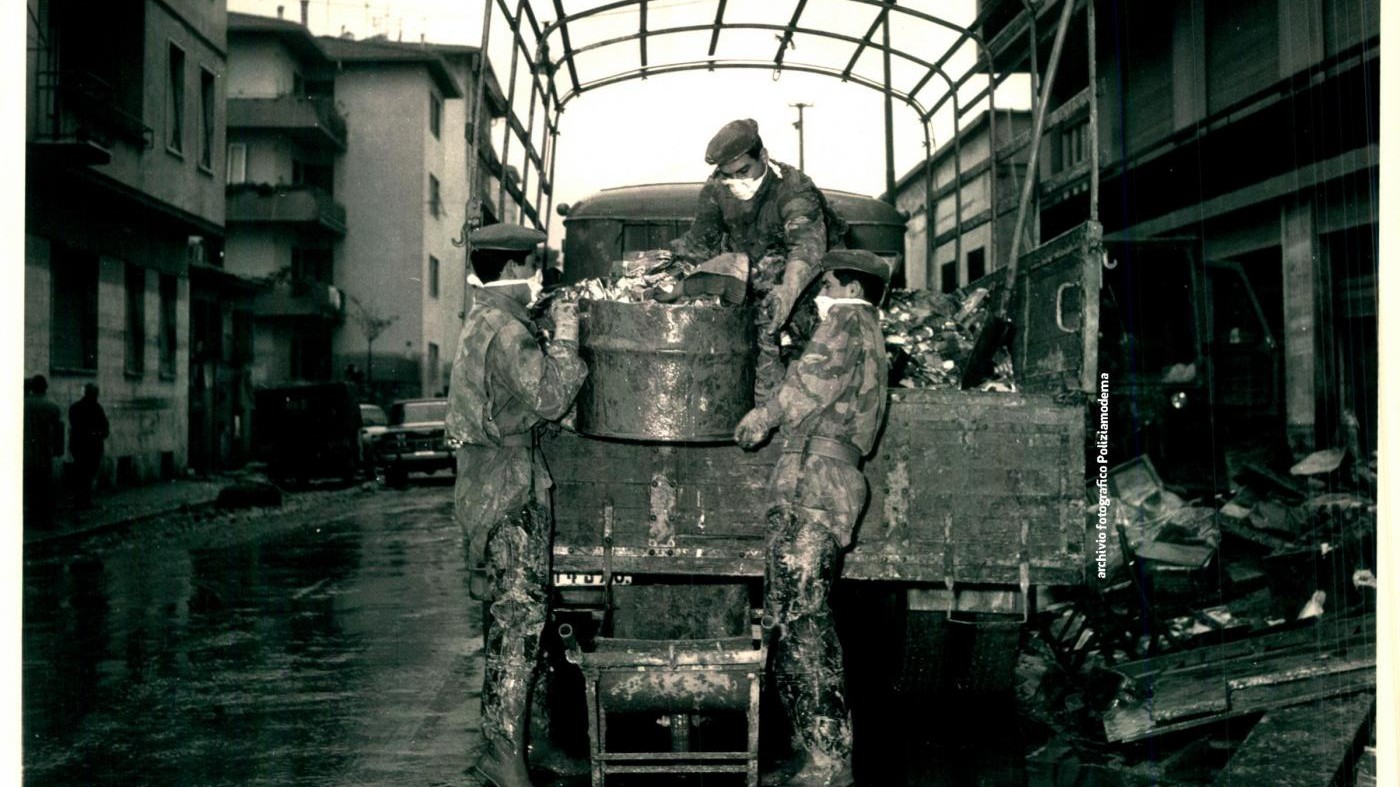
773, 213
829, 410
504, 384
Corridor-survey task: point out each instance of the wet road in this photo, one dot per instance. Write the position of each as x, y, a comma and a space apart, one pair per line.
337, 647
336, 653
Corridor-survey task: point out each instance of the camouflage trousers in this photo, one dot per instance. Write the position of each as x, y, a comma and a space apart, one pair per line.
768, 367
801, 565
517, 568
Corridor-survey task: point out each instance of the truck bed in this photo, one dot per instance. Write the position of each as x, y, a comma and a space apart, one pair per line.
965, 487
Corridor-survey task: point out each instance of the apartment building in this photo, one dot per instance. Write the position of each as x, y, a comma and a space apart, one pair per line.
124, 160
286, 224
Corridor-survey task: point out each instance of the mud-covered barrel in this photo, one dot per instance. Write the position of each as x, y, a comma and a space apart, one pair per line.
665, 372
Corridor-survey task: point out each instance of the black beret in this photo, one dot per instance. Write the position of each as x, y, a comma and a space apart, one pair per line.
732, 141
507, 237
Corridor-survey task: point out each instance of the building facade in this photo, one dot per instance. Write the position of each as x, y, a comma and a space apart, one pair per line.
286, 227
962, 215
125, 150
1249, 130
348, 200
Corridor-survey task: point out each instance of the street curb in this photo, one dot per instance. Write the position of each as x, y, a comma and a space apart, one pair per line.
47, 544
81, 534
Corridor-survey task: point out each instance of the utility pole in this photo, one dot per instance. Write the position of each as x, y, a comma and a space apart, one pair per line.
801, 128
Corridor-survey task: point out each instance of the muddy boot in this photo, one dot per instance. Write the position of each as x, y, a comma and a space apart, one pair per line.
503, 764
505, 725
823, 776
804, 770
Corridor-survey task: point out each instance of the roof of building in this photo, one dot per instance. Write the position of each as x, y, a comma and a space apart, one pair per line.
383, 51
296, 36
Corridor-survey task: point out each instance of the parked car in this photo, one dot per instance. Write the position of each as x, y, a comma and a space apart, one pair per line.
308, 431
415, 440
373, 422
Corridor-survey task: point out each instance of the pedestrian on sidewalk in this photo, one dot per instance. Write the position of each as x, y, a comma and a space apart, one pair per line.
88, 430
43, 440
505, 383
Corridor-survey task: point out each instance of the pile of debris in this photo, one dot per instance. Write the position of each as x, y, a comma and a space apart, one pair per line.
642, 276
930, 335
1233, 639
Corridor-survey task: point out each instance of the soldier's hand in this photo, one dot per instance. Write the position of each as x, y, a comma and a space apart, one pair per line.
565, 316
752, 430
776, 307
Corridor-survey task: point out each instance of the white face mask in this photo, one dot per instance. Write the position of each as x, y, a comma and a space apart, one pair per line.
745, 188
535, 284
825, 302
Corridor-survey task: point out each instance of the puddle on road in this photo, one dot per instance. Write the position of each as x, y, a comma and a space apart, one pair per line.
275, 662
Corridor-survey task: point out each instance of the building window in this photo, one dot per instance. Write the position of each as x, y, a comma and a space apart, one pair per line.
237, 162
242, 337
175, 101
434, 373
312, 265
976, 264
435, 115
206, 331
135, 319
949, 271
73, 326
206, 119
169, 328
434, 196
1074, 144
433, 267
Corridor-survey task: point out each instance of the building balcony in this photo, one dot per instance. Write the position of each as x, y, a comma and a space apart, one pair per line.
302, 299
310, 121
78, 119
260, 203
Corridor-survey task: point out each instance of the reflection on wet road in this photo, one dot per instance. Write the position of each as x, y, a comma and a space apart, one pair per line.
337, 654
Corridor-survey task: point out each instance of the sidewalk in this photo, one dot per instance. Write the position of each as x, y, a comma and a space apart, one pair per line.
120, 507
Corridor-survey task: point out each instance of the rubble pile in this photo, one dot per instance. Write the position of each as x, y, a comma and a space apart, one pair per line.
1215, 611
929, 336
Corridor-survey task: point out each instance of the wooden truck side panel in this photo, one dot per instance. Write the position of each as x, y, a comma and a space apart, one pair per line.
965, 486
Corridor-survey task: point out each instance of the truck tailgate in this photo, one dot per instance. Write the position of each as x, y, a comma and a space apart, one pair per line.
965, 486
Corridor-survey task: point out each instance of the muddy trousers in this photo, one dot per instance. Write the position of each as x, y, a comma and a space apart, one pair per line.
801, 565
517, 565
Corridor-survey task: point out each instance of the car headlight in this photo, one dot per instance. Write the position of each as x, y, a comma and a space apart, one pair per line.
1179, 400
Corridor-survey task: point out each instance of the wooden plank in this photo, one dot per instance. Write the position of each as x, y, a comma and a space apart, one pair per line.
1130, 723
1301, 746
1316, 633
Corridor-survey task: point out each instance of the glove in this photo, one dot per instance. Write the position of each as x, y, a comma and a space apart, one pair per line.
798, 274
753, 429
777, 306
565, 316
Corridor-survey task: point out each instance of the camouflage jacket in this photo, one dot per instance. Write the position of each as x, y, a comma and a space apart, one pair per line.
502, 386
787, 219
835, 390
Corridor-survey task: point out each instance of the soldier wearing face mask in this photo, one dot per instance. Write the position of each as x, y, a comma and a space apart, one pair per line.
827, 412
773, 213
505, 383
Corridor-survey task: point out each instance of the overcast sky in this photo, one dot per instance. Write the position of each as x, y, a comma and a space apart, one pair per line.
656, 130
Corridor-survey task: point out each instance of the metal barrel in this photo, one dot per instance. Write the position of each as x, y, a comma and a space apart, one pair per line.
665, 372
